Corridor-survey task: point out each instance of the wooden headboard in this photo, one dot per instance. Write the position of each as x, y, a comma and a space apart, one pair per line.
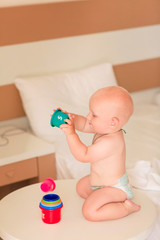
29, 28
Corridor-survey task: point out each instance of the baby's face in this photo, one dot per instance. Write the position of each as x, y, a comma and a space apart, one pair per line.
99, 120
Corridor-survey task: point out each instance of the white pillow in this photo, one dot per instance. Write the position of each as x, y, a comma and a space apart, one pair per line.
70, 91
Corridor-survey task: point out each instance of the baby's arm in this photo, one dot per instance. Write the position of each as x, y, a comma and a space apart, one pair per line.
80, 151
81, 123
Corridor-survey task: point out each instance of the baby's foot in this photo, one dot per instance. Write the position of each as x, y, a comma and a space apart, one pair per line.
131, 206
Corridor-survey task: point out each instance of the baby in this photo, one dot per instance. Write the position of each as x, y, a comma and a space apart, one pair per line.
106, 190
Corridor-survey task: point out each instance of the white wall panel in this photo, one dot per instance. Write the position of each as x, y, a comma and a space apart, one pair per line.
45, 57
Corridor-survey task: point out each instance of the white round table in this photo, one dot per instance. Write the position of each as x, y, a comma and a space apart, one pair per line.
20, 217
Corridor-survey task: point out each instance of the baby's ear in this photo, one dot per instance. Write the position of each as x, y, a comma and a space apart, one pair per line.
114, 121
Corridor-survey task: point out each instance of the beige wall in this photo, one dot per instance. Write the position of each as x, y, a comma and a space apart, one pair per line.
59, 36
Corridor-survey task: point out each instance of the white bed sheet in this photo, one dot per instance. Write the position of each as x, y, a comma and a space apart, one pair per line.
142, 143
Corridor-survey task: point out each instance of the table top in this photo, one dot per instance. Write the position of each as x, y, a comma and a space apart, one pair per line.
17, 145
20, 217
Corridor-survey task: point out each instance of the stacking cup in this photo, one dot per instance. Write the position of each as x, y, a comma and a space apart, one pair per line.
51, 205
48, 185
58, 118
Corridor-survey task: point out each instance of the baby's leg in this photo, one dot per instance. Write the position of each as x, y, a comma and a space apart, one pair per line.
83, 187
106, 204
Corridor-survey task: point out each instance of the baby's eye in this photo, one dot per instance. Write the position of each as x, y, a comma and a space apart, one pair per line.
93, 115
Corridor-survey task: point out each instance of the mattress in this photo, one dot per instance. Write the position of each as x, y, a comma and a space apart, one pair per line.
142, 143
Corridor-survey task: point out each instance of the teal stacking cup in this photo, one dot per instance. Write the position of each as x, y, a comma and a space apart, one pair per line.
58, 118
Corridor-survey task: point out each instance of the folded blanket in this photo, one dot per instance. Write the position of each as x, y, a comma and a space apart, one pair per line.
145, 175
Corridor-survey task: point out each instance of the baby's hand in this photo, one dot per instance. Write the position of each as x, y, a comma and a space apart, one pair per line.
68, 128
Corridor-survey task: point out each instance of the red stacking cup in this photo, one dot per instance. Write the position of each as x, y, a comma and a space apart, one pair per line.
51, 205
51, 216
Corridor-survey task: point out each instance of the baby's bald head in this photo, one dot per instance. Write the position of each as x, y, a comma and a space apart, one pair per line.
115, 101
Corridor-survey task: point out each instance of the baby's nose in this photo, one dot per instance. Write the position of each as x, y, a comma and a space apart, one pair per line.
89, 116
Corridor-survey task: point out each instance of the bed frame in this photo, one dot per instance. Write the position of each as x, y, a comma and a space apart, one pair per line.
134, 77
64, 19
